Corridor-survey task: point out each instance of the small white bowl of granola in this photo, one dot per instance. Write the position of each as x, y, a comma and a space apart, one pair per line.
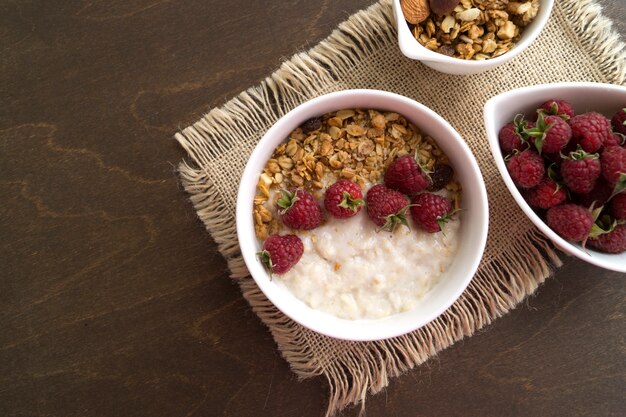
467, 37
350, 277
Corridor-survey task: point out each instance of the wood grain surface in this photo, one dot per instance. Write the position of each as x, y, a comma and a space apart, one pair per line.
113, 298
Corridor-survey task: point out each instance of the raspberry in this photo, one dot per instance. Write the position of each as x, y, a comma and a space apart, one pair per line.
550, 135
557, 108
510, 139
570, 221
581, 171
431, 211
557, 136
613, 161
590, 130
526, 169
614, 140
300, 210
440, 177
281, 253
386, 207
619, 121
612, 242
406, 176
547, 194
343, 199
617, 207
376, 190
598, 196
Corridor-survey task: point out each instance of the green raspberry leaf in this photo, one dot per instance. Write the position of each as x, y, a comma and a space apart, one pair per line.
393, 220
350, 203
265, 258
286, 200
602, 226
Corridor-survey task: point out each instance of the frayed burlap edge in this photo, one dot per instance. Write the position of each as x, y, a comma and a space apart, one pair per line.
597, 36
359, 368
367, 367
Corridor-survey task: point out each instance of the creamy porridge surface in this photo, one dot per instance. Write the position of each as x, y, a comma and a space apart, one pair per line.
352, 271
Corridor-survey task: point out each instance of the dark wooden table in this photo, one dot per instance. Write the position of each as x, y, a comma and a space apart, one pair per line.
114, 300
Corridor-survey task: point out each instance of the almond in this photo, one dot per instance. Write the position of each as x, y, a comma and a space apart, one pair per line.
415, 11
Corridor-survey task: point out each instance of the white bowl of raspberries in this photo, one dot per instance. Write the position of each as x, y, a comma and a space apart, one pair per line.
383, 209
561, 150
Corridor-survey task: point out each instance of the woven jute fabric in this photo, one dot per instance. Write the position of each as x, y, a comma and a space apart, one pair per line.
578, 44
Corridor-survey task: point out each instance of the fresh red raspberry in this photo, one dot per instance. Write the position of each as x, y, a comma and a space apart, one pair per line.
619, 121
617, 207
526, 169
386, 207
281, 253
547, 194
550, 134
580, 171
509, 139
570, 221
343, 199
431, 211
558, 108
590, 130
376, 190
299, 210
598, 196
613, 140
612, 242
406, 176
613, 161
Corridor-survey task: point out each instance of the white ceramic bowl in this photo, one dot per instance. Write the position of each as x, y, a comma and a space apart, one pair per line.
411, 48
501, 109
474, 218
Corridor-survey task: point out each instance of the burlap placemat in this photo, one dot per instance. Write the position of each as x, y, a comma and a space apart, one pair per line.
578, 44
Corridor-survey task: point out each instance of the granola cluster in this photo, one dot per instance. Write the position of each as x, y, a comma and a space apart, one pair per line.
355, 144
477, 29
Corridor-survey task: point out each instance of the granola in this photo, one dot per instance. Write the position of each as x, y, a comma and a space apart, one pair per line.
476, 29
357, 144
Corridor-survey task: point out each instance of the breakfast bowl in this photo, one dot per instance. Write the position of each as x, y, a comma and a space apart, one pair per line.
441, 62
584, 97
470, 237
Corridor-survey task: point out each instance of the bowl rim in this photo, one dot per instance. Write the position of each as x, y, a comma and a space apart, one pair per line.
408, 44
489, 112
247, 240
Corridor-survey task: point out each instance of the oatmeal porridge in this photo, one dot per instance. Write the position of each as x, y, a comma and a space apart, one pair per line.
353, 271
381, 259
